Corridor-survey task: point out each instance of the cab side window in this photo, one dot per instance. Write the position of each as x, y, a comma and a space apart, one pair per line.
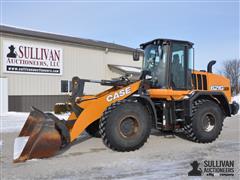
178, 65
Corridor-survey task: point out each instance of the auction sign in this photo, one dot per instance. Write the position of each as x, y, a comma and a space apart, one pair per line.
30, 58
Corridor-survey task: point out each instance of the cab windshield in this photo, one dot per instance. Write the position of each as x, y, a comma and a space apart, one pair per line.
155, 61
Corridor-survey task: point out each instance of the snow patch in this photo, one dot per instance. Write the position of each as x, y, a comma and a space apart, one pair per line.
237, 99
14, 121
19, 144
62, 116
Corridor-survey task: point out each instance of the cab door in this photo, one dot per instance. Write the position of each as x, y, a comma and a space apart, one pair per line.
180, 66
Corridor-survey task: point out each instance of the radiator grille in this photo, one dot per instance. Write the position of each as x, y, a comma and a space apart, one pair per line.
199, 82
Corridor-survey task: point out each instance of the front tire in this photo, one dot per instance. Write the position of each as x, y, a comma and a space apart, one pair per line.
206, 123
93, 129
125, 126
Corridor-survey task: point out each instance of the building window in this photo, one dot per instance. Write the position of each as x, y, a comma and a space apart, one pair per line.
66, 86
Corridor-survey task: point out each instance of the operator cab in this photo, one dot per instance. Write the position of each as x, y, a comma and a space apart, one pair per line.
169, 63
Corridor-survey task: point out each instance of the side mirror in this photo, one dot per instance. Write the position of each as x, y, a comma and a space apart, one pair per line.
146, 75
136, 55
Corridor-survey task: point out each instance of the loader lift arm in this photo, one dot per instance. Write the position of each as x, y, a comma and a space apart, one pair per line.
89, 111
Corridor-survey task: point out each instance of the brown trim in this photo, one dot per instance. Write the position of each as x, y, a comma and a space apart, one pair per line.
42, 102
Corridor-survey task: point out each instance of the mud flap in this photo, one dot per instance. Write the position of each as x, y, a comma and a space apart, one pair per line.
40, 137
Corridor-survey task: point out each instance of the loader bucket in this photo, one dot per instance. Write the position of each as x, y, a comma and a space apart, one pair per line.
40, 137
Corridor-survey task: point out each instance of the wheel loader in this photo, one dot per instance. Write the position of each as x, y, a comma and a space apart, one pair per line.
169, 95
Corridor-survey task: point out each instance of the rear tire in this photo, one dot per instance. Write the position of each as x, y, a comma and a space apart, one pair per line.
93, 129
206, 123
125, 126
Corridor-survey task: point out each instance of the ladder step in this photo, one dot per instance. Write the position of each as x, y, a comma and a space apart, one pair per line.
180, 120
178, 110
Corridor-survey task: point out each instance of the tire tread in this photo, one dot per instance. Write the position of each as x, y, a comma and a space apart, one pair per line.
188, 128
102, 127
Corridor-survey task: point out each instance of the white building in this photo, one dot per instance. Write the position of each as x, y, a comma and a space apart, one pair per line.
34, 64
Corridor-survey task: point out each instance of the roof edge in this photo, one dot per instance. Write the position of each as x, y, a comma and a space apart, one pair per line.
63, 38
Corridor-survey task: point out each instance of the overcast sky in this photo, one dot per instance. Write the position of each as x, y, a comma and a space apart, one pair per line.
212, 26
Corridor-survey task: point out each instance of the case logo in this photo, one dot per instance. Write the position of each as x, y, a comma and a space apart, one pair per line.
118, 94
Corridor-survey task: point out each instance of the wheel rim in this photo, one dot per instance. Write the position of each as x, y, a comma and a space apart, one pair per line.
129, 127
208, 122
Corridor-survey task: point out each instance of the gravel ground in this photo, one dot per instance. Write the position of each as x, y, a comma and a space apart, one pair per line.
163, 156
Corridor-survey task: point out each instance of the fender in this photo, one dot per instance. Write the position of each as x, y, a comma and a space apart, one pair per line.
216, 96
147, 101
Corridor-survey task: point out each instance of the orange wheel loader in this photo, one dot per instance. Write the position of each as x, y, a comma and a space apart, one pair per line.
168, 96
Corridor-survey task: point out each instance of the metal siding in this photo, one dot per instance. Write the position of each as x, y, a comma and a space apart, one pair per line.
1, 49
